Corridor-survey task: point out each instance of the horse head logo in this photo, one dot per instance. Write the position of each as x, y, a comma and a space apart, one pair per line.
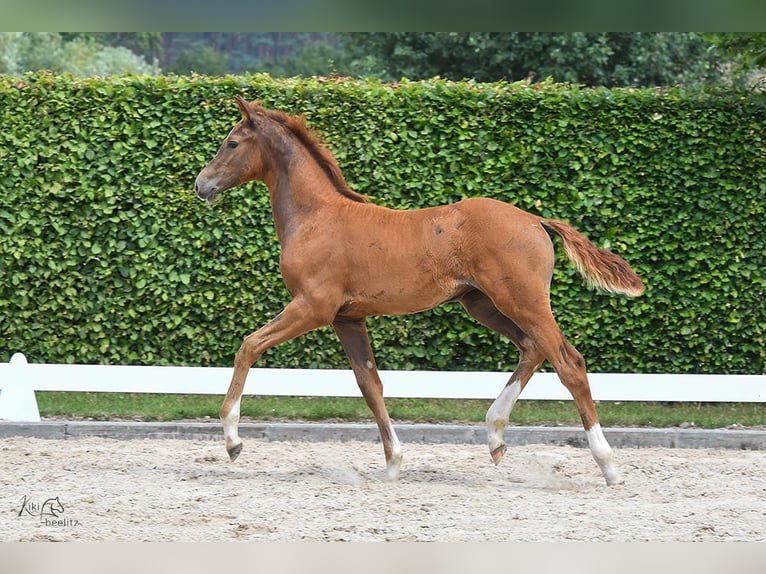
52, 507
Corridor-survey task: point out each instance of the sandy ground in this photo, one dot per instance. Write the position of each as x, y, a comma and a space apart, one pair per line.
184, 490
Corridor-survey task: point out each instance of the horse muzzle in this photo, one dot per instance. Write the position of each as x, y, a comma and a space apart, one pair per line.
206, 190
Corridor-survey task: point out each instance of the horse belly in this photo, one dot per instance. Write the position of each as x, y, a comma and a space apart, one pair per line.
400, 291
405, 262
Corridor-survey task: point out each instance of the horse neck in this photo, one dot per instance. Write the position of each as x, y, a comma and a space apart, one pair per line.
299, 189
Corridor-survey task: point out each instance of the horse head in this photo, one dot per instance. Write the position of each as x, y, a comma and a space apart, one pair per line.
239, 159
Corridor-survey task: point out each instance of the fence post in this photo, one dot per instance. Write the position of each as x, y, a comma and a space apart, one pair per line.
17, 397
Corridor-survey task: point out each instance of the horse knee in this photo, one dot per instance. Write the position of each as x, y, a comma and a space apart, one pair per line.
247, 354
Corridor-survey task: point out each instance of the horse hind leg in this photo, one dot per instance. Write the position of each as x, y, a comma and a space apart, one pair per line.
570, 368
571, 371
356, 344
481, 308
528, 310
499, 412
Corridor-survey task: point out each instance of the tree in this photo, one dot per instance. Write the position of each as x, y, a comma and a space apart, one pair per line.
9, 53
591, 58
320, 58
278, 53
145, 44
748, 47
22, 52
201, 60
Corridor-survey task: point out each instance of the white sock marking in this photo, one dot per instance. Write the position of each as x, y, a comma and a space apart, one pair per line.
499, 413
230, 426
394, 464
602, 453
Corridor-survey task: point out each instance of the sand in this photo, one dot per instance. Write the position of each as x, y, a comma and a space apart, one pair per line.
186, 490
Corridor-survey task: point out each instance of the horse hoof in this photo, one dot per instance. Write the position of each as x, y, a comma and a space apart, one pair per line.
392, 471
614, 480
498, 453
234, 451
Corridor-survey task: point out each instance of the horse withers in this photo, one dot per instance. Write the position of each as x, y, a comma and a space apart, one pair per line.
344, 259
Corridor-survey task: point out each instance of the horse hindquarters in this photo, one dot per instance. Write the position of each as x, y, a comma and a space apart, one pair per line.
517, 281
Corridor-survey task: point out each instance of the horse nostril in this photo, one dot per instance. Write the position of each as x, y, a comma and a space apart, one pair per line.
196, 187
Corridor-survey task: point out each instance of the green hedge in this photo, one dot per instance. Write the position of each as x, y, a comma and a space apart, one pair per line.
106, 256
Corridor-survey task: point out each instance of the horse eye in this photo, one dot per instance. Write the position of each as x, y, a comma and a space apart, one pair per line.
232, 144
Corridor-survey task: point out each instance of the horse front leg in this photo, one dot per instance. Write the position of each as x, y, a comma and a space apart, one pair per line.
356, 344
296, 319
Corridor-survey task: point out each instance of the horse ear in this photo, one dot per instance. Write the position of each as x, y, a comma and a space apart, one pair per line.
244, 107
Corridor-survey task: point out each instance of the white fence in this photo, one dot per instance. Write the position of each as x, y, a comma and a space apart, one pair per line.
19, 380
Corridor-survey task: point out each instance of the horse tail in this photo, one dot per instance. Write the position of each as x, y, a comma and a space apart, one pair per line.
600, 267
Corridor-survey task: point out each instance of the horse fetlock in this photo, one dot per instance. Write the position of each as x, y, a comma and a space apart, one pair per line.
393, 467
602, 454
495, 428
606, 464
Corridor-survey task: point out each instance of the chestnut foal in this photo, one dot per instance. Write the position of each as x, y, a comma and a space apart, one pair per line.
343, 259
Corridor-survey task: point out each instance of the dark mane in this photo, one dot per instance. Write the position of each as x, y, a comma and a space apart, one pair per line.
322, 155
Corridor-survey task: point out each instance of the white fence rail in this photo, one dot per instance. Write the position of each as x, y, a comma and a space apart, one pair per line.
19, 380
